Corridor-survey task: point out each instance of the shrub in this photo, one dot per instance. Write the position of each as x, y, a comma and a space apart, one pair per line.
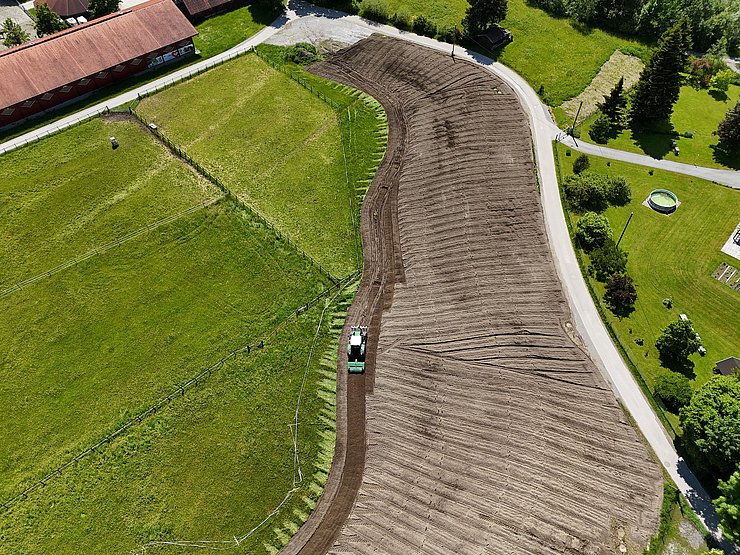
728, 506
402, 19
607, 260
618, 191
447, 34
586, 191
620, 294
592, 230
423, 26
600, 129
674, 389
728, 130
302, 53
721, 80
377, 10
581, 164
677, 341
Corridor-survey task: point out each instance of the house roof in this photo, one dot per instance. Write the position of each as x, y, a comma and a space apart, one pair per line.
65, 8
195, 7
728, 365
46, 64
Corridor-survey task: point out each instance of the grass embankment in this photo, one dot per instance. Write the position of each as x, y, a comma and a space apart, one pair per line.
672, 256
89, 347
277, 147
698, 111
215, 35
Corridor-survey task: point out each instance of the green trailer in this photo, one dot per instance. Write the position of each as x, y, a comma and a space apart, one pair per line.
356, 349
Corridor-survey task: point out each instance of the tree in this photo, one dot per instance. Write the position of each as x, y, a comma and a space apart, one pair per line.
729, 129
620, 294
677, 341
660, 82
618, 191
674, 389
711, 425
423, 26
99, 8
608, 260
47, 22
728, 506
14, 33
592, 230
601, 129
721, 80
615, 104
586, 191
482, 14
581, 164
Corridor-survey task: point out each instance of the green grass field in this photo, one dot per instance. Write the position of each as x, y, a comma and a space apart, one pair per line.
278, 147
697, 111
91, 346
673, 256
53, 212
546, 50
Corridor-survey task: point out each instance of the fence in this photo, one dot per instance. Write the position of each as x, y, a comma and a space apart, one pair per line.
176, 149
107, 246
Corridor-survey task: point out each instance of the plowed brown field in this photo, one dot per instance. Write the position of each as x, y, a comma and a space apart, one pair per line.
481, 424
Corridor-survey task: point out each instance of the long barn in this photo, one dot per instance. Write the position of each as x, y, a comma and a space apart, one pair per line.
47, 72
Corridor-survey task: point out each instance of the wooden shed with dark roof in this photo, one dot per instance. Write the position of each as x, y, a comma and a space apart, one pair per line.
728, 366
44, 73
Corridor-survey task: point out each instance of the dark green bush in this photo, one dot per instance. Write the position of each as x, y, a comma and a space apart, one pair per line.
586, 191
601, 129
592, 230
620, 294
424, 26
618, 191
581, 164
402, 19
302, 53
674, 389
607, 260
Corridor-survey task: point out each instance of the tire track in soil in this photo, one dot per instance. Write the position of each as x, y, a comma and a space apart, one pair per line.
480, 426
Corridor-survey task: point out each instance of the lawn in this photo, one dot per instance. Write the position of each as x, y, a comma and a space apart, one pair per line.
673, 256
278, 147
699, 111
546, 50
107, 337
51, 212
210, 466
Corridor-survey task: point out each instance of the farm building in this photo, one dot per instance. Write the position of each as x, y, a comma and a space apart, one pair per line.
46, 72
65, 8
728, 366
197, 10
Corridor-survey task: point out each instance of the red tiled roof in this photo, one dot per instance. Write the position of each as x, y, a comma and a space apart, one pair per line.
46, 64
195, 7
65, 8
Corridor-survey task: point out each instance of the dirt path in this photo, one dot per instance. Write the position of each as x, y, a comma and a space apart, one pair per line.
488, 430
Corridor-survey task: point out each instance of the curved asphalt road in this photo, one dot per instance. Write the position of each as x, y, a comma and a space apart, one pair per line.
319, 22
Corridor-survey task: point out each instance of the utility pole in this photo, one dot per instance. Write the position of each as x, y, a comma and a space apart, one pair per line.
625, 227
454, 36
575, 119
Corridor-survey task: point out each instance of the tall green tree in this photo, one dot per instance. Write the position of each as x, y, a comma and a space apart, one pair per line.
14, 33
728, 506
711, 425
677, 341
99, 8
729, 129
615, 104
47, 21
482, 14
660, 82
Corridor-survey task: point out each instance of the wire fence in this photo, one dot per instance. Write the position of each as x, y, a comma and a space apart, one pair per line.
179, 151
108, 246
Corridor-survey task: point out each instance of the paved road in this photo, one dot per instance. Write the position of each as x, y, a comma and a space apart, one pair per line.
322, 23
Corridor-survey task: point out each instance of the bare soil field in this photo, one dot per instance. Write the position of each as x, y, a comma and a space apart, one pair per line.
481, 424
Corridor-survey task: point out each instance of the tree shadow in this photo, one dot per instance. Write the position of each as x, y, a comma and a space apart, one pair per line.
682, 366
622, 311
719, 96
582, 28
724, 157
655, 140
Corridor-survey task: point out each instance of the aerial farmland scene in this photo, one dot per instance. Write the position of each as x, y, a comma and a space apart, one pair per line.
456, 277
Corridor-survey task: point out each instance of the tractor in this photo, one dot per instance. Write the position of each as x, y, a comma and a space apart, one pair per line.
356, 349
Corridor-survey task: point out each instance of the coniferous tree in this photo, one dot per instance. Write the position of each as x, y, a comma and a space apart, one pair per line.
660, 82
481, 14
615, 104
47, 21
729, 129
14, 33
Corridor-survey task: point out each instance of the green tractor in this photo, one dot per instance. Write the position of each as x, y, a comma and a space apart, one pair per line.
356, 349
